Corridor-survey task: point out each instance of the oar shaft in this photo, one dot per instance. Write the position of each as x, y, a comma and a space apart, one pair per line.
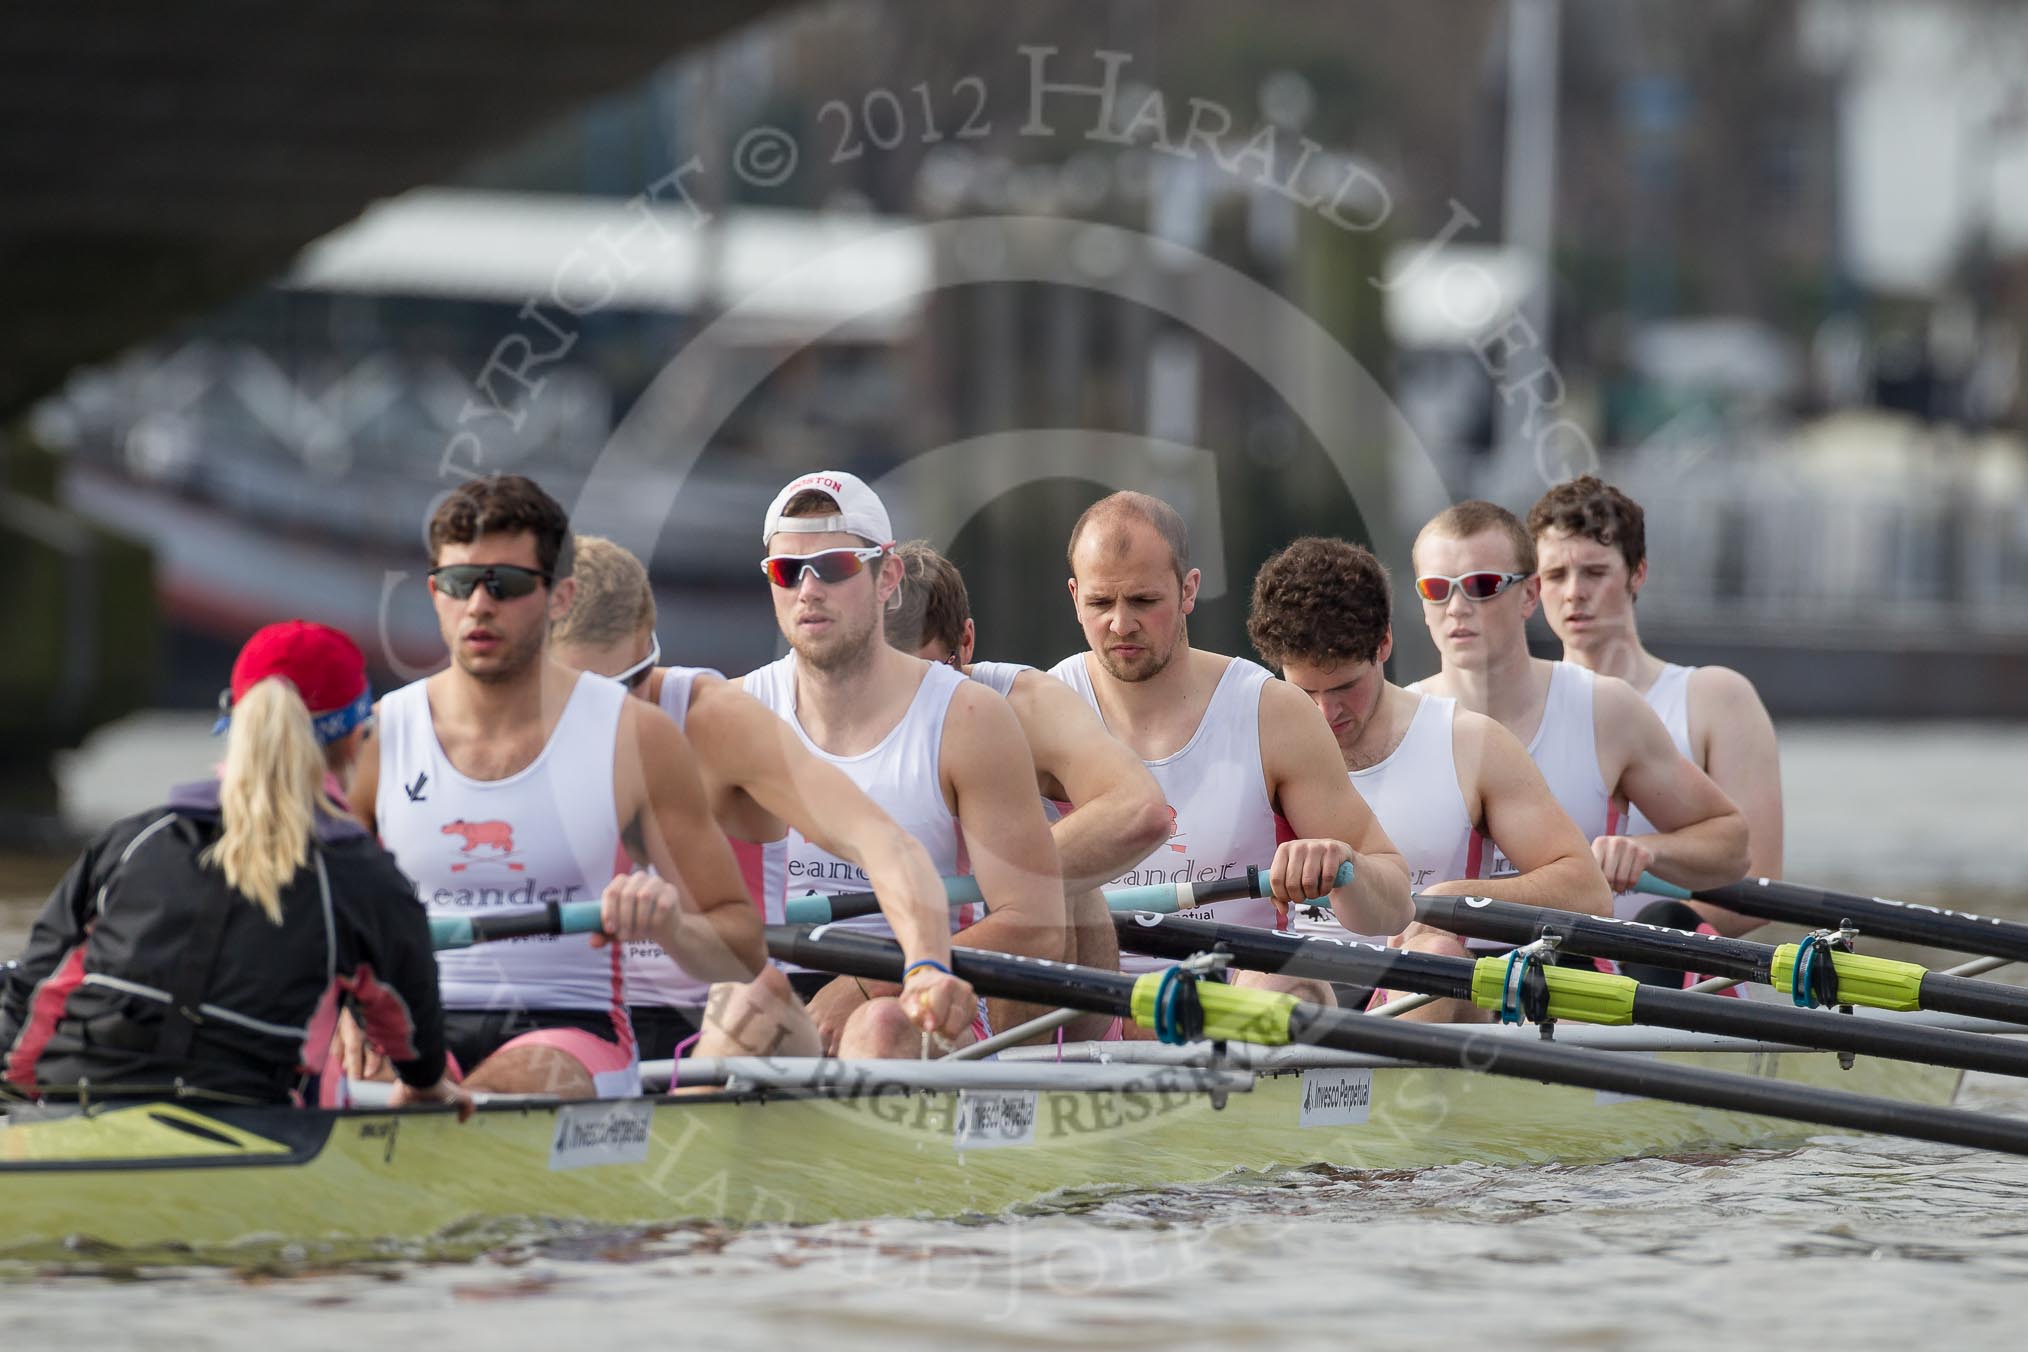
462, 931
1006, 976
1528, 1058
1742, 959
1598, 936
1163, 898
1880, 917
1827, 1031
1346, 961
1487, 1051
1620, 998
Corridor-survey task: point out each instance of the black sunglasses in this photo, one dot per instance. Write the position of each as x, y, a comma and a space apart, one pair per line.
502, 581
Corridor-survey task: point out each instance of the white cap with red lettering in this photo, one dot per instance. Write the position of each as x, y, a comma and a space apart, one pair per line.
859, 509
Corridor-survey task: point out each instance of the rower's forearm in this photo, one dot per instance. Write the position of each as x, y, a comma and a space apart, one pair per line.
1710, 853
1018, 930
1569, 884
912, 898
1106, 837
724, 943
1376, 900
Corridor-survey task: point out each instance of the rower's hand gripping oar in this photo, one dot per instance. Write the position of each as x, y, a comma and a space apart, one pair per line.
1520, 985
1827, 976
1161, 898
1181, 1008
1880, 917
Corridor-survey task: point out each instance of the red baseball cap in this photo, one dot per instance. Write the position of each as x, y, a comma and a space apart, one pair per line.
324, 665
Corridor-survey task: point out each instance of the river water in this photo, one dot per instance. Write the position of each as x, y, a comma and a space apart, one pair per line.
1844, 1242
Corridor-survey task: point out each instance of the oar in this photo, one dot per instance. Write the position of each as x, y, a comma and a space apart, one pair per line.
1185, 1009
1568, 993
1162, 898
1854, 978
1881, 917
462, 931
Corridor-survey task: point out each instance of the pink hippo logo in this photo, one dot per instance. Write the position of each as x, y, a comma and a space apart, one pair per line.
498, 836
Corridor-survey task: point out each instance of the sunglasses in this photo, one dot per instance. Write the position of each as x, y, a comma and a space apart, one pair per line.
831, 566
1436, 589
638, 672
502, 581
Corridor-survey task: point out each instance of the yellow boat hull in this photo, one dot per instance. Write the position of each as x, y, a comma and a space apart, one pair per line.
171, 1180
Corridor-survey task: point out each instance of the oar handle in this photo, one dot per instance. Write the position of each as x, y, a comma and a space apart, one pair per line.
462, 931
1661, 888
817, 908
1163, 898
1168, 898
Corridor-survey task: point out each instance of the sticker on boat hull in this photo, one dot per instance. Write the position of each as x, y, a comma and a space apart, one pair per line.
601, 1133
991, 1121
1335, 1098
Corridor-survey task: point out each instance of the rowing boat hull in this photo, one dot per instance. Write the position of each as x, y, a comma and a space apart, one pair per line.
167, 1180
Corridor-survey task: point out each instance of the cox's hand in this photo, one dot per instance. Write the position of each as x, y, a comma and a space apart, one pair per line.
445, 1090
635, 906
1624, 859
1305, 870
358, 1056
938, 1003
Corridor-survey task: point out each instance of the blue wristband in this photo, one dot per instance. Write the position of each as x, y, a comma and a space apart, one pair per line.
909, 970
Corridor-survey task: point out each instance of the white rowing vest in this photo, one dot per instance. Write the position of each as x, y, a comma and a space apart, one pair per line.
1565, 749
653, 977
999, 677
903, 774
1669, 697
1216, 791
1415, 795
548, 833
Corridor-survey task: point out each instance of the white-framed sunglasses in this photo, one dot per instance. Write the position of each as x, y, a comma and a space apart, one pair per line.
638, 672
831, 566
1435, 588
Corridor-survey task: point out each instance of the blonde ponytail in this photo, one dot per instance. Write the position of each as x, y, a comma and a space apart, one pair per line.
268, 792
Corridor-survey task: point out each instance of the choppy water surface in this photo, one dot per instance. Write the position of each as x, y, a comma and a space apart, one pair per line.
1846, 1241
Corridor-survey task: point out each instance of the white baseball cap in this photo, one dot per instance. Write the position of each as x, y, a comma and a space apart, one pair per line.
859, 509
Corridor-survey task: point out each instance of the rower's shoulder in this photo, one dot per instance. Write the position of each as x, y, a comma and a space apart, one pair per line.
1610, 691
1722, 688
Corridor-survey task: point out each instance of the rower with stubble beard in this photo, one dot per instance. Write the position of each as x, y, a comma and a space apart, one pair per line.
762, 782
1247, 765
1107, 809
942, 756
509, 780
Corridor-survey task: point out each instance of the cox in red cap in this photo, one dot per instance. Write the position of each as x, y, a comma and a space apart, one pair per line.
325, 666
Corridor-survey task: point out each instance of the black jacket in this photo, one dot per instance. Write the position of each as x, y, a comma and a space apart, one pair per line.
93, 1004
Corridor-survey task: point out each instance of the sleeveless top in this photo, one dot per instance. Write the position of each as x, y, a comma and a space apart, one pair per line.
1221, 819
550, 832
1415, 795
653, 977
902, 773
1565, 749
1669, 697
999, 677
